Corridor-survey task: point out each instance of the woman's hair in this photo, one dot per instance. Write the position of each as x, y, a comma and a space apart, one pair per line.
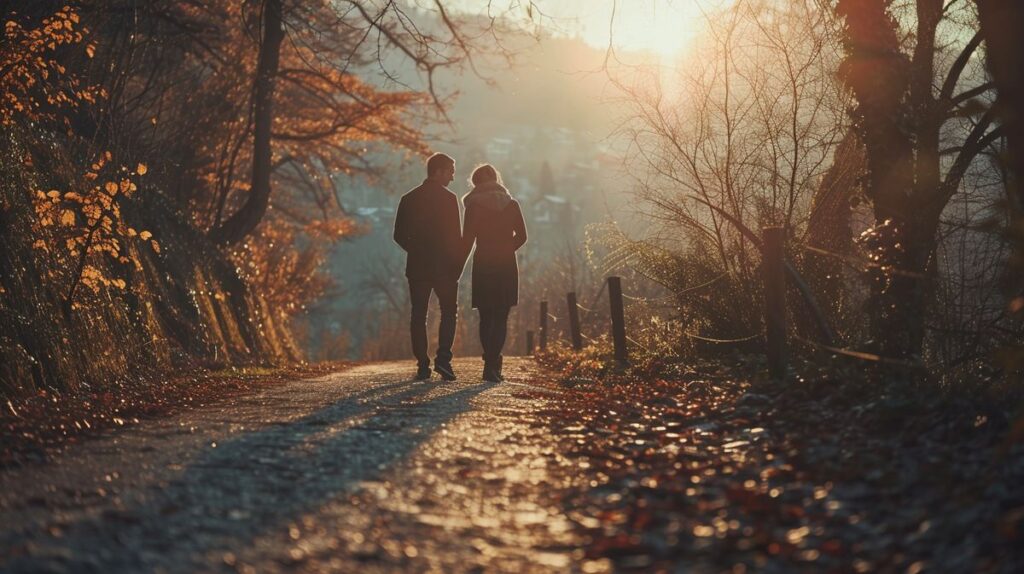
484, 174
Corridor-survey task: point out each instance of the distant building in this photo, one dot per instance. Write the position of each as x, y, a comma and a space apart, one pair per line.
499, 149
554, 211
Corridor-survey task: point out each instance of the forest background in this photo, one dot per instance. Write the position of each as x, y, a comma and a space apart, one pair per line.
206, 184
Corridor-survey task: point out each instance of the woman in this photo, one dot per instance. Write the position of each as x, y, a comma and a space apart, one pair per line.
495, 222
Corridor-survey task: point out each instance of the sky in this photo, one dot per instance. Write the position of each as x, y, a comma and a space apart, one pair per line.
665, 27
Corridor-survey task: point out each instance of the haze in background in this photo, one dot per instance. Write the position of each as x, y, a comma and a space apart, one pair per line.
548, 125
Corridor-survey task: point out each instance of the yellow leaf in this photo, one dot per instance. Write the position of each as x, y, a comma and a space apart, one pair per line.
142, 169
53, 194
90, 50
145, 235
156, 246
110, 187
68, 217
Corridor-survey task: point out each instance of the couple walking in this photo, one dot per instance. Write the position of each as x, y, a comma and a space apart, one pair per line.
427, 227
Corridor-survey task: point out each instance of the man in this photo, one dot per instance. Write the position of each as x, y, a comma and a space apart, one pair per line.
428, 228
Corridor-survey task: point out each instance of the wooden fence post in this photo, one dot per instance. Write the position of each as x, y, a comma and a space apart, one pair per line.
543, 325
618, 320
774, 299
574, 322
529, 342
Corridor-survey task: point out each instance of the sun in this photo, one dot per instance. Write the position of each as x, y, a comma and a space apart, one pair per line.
660, 27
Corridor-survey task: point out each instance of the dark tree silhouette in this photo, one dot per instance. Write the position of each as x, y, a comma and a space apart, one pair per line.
546, 183
241, 224
903, 106
1002, 23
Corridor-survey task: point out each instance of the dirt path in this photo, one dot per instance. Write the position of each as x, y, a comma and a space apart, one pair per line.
362, 470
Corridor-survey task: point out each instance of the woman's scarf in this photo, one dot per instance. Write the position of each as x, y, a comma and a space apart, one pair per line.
491, 195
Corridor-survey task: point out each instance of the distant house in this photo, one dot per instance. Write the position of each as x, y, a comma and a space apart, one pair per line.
499, 148
375, 214
521, 188
553, 210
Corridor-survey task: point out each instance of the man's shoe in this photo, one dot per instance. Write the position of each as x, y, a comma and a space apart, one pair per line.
445, 370
423, 374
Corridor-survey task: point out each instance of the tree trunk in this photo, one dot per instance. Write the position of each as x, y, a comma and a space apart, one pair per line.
899, 115
239, 225
877, 73
1002, 23
902, 292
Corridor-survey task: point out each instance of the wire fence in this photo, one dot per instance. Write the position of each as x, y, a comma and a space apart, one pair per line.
776, 331
746, 339
864, 265
862, 355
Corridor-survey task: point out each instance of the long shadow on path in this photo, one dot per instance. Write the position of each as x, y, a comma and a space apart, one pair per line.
256, 483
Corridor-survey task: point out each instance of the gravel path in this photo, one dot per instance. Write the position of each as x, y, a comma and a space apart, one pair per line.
362, 470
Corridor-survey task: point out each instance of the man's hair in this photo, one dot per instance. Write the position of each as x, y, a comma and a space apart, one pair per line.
437, 162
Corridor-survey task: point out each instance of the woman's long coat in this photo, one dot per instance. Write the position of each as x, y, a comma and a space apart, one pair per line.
494, 221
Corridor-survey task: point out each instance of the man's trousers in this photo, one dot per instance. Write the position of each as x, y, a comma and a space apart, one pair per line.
447, 295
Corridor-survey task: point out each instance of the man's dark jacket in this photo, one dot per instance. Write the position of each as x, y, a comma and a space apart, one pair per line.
428, 228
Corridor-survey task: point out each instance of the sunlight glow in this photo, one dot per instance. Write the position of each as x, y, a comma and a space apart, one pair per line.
664, 27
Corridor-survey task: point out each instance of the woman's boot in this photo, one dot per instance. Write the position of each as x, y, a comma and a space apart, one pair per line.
491, 373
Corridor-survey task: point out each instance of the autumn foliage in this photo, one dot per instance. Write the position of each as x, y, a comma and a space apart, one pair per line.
128, 140
33, 81
76, 227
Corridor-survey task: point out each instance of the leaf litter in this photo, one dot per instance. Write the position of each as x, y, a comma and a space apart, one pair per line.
711, 468
33, 427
